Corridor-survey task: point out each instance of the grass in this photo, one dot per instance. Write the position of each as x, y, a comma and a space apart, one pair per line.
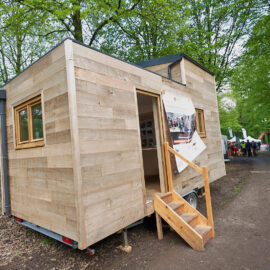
236, 190
223, 203
46, 241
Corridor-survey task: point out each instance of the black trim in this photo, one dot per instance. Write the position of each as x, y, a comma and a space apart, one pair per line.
54, 47
3, 94
170, 66
89, 47
172, 58
4, 151
160, 60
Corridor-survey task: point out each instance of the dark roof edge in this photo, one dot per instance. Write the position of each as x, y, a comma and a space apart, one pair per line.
170, 67
197, 64
135, 65
172, 58
80, 43
160, 60
54, 47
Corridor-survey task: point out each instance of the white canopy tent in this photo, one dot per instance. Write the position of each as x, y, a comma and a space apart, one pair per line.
251, 139
233, 139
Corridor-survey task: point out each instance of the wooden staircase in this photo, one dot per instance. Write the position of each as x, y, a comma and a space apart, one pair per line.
189, 223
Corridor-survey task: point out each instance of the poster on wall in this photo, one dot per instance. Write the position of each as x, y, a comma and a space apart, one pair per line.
181, 118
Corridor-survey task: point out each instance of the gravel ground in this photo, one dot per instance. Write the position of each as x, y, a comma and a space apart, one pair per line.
22, 248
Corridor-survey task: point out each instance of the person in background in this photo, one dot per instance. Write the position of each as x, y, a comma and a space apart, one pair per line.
232, 148
259, 145
243, 146
253, 146
248, 148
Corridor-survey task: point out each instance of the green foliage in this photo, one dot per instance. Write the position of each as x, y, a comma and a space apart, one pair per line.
208, 30
228, 116
21, 38
152, 30
216, 29
212, 32
251, 80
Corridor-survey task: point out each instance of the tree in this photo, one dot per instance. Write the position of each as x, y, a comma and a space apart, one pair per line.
216, 31
152, 31
251, 80
21, 40
83, 20
228, 114
210, 31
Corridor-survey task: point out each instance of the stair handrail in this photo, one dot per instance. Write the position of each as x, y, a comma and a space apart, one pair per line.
203, 171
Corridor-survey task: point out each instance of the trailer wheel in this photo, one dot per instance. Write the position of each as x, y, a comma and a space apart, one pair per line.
192, 199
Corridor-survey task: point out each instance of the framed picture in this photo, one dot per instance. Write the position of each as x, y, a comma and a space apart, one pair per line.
147, 134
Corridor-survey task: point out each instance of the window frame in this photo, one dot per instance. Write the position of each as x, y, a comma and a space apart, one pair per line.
202, 133
31, 142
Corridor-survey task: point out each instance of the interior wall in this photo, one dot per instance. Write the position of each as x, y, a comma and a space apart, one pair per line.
150, 161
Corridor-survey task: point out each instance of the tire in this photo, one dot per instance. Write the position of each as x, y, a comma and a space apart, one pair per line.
192, 199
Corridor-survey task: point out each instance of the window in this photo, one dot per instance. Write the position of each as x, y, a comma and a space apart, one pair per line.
28, 124
200, 127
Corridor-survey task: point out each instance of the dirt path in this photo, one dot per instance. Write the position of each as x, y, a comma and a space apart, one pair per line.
242, 230
241, 203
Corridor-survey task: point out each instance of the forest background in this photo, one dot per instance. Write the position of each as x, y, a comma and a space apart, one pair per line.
229, 37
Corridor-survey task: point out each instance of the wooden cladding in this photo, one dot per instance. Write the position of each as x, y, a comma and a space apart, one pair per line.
200, 125
29, 124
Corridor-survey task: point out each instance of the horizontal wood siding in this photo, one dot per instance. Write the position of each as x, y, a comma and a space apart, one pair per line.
110, 154
102, 185
41, 178
108, 131
201, 88
161, 69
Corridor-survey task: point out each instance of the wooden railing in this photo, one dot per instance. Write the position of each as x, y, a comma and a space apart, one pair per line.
203, 171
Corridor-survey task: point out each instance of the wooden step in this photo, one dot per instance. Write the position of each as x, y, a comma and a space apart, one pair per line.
166, 197
188, 217
205, 232
202, 230
188, 222
175, 205
162, 195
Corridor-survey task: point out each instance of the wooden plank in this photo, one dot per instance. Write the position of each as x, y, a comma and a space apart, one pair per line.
41, 178
159, 142
183, 229
75, 143
88, 75
113, 223
159, 226
160, 69
208, 200
191, 164
188, 209
102, 182
168, 167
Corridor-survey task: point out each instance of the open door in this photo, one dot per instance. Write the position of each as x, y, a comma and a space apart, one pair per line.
151, 141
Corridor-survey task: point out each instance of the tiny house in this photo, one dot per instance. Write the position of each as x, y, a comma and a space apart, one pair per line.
85, 135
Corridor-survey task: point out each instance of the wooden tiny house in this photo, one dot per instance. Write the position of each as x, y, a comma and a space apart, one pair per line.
85, 136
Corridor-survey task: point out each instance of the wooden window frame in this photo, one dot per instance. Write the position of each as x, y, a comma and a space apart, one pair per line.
202, 133
28, 107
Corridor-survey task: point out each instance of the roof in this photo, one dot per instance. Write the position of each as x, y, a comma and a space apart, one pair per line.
173, 59
78, 42
160, 60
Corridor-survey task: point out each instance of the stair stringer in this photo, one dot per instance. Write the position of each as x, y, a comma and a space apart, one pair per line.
201, 220
193, 238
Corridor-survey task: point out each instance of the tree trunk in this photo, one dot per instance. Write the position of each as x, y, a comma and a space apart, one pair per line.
77, 23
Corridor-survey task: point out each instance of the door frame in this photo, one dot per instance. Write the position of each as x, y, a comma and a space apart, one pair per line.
162, 175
